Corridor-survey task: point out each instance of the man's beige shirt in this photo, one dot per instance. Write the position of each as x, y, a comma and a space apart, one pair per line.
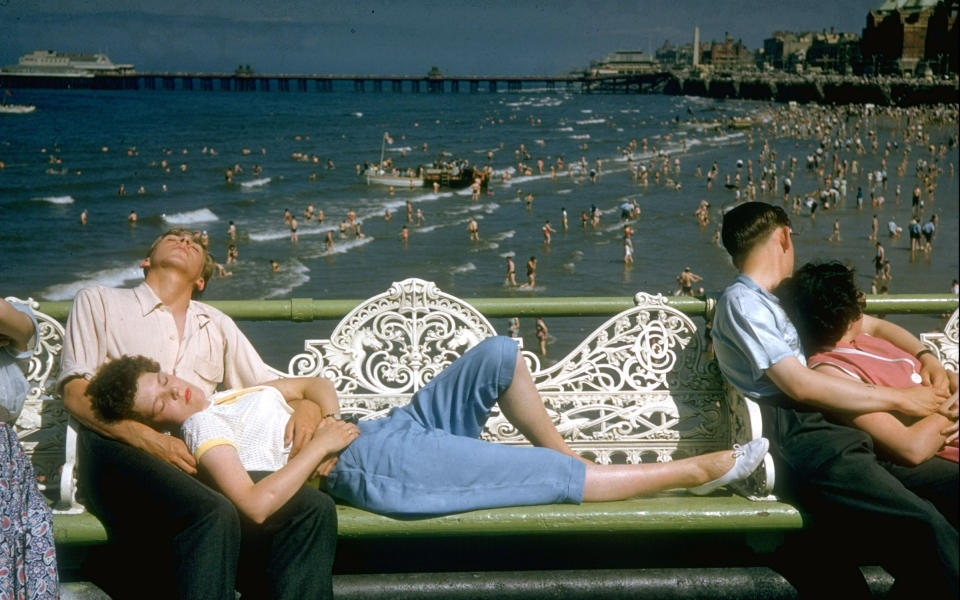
107, 323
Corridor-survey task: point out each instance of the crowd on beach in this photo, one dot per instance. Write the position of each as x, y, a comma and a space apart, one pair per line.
863, 157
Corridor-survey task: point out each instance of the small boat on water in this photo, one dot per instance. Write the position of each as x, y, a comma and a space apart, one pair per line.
447, 174
17, 109
741, 122
380, 177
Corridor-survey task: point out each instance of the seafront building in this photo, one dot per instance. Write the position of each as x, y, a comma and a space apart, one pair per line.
625, 62
912, 36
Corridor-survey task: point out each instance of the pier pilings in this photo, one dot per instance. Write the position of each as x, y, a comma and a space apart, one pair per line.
779, 87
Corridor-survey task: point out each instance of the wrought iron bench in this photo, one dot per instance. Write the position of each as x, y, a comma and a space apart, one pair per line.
641, 387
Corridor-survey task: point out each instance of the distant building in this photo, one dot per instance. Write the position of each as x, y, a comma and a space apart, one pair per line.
911, 36
826, 51
784, 50
727, 56
835, 52
41, 63
675, 57
625, 62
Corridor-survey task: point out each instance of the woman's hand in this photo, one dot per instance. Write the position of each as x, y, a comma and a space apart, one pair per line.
933, 374
303, 424
333, 436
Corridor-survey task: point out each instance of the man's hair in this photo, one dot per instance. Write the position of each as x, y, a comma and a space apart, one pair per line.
748, 224
209, 264
113, 388
821, 300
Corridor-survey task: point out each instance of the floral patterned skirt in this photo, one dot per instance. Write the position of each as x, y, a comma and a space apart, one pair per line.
28, 560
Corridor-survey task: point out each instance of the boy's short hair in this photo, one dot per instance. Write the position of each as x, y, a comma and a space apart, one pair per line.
113, 388
748, 224
209, 264
822, 300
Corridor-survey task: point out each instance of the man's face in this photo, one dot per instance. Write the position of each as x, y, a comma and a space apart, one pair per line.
165, 401
182, 251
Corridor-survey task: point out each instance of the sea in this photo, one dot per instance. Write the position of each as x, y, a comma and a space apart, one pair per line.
169, 150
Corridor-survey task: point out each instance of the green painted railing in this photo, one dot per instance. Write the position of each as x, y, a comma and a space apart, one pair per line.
308, 309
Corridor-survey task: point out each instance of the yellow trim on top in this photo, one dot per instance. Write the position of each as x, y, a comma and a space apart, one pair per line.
234, 395
211, 443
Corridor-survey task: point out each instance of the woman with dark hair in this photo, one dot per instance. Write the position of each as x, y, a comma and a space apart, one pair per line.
823, 301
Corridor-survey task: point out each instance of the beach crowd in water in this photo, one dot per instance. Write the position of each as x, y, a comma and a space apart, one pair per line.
852, 166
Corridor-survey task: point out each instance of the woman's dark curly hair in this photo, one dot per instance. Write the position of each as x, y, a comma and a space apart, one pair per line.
115, 384
822, 300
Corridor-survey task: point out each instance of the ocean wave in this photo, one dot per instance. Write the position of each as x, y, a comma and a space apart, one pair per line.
113, 277
201, 215
591, 121
464, 268
56, 199
280, 234
434, 227
253, 183
341, 246
726, 138
565, 129
503, 235
583, 136
292, 274
567, 191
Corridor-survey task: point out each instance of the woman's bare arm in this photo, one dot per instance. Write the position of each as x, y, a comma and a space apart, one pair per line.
905, 444
261, 499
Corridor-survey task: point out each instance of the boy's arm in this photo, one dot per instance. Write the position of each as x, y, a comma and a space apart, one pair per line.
133, 433
833, 394
931, 370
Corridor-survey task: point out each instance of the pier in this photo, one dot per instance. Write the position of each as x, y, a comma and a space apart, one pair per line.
775, 87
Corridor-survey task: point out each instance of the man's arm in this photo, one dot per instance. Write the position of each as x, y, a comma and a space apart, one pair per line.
832, 394
138, 435
84, 350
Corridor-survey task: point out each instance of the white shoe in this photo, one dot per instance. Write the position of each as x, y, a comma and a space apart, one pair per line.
748, 458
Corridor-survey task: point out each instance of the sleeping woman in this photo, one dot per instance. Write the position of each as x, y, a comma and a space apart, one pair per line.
824, 303
423, 459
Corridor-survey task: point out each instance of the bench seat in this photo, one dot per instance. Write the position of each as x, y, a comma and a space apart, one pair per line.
661, 514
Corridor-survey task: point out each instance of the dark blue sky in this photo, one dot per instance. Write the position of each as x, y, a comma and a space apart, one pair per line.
385, 37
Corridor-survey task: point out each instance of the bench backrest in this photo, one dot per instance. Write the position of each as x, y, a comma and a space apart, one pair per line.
641, 387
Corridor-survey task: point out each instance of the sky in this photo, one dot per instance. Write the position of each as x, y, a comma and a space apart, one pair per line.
461, 37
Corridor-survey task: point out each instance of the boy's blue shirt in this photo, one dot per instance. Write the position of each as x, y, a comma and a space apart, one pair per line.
751, 333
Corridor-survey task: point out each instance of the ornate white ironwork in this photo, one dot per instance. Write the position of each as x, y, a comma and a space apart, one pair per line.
395, 342
638, 389
945, 343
